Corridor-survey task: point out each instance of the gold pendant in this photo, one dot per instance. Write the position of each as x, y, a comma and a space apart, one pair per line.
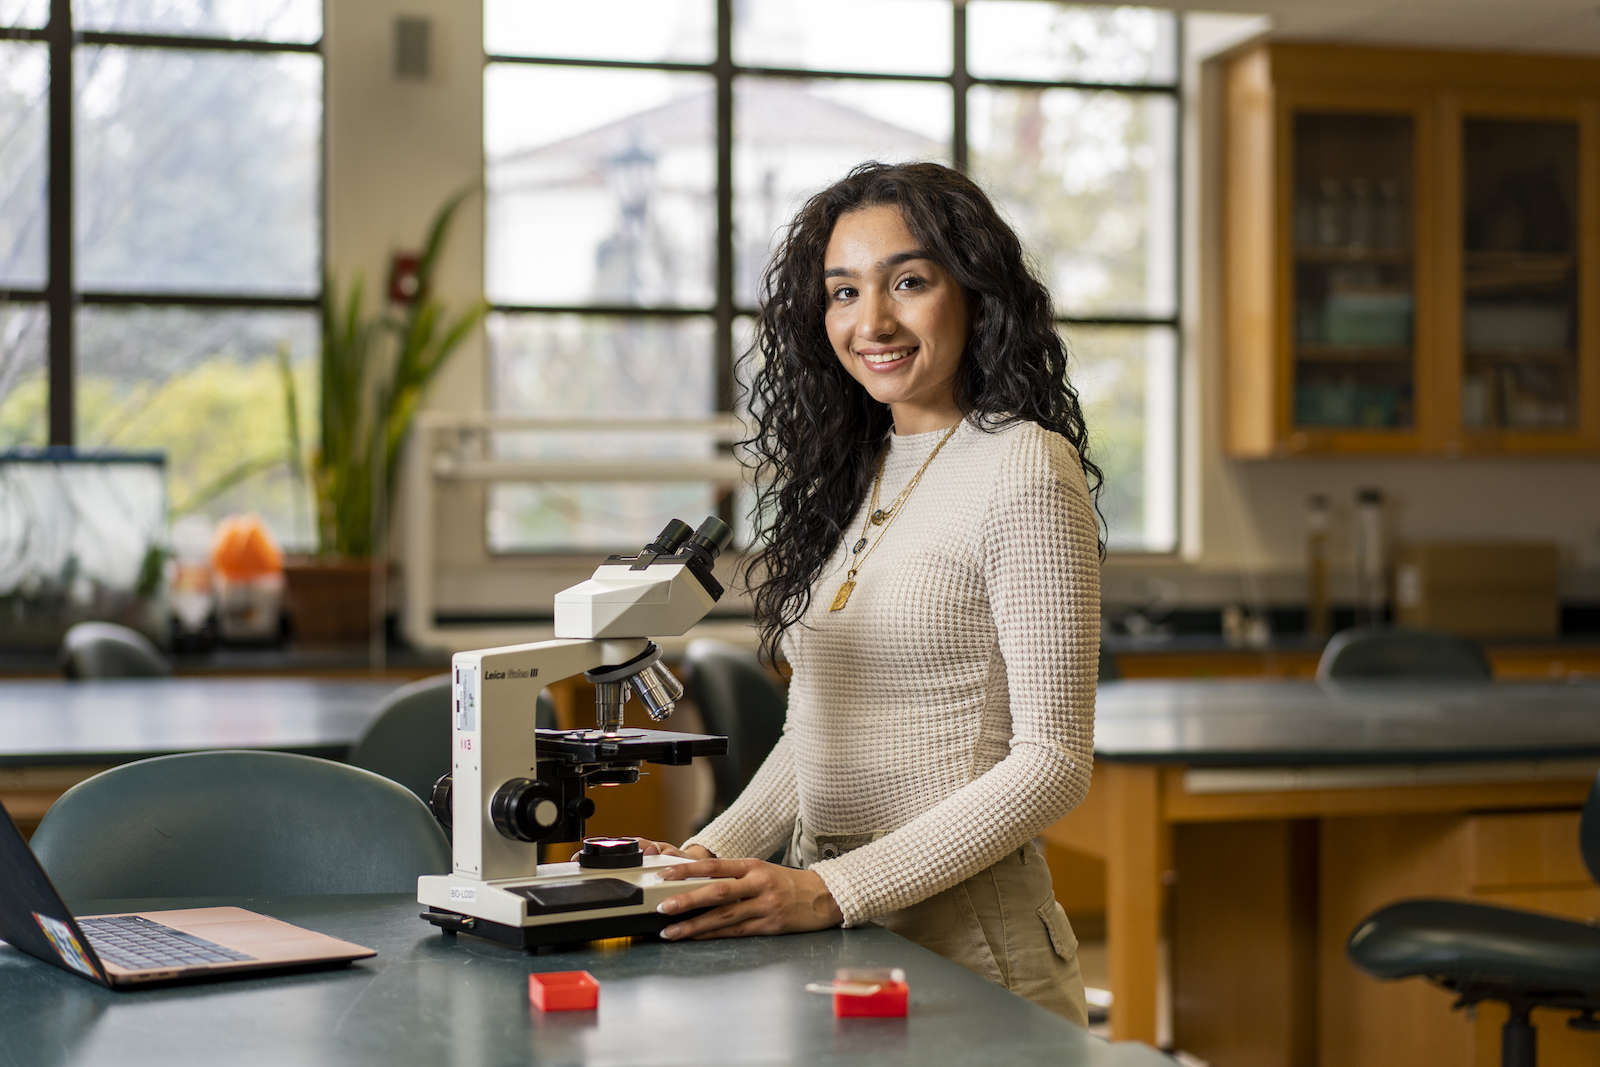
842, 597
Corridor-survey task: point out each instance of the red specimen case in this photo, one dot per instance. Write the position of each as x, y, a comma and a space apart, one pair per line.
889, 1002
565, 991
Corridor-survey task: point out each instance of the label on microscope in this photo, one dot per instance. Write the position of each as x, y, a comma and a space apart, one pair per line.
467, 698
469, 896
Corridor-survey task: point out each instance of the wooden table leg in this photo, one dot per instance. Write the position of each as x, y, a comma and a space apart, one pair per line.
1133, 898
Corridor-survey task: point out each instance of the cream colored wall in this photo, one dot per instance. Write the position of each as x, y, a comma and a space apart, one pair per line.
395, 151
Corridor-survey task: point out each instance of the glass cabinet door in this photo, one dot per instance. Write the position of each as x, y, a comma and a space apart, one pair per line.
1519, 327
1354, 280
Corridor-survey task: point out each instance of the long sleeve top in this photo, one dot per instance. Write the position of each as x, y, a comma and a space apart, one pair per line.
949, 705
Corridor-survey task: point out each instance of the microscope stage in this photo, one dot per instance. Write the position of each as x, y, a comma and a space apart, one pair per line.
644, 746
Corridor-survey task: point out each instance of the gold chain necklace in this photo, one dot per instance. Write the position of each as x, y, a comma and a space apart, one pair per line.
884, 517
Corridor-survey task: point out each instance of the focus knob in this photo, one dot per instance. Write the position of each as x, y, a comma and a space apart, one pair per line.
440, 802
526, 809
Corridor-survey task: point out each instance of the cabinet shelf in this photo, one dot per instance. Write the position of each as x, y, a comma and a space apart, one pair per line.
1496, 272
1522, 355
1352, 354
1357, 256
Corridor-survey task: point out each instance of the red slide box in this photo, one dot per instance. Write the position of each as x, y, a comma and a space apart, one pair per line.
564, 991
878, 993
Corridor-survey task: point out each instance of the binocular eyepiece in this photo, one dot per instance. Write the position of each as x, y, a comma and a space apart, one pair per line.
708, 542
645, 676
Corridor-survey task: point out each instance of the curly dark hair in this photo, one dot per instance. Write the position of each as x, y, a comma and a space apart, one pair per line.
818, 433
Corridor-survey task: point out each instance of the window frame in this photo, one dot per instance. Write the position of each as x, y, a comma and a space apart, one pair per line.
61, 295
724, 310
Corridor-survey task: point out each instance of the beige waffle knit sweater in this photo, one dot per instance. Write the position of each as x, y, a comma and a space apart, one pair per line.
951, 702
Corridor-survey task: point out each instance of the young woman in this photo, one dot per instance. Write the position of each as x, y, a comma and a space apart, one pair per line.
931, 571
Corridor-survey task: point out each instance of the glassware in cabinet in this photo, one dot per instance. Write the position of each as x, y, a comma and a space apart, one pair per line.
1353, 274
1520, 307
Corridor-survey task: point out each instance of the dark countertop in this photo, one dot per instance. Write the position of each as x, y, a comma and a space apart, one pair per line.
1259, 722
1123, 644
245, 659
1197, 722
429, 999
119, 721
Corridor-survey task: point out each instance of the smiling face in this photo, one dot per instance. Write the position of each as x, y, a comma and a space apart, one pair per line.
896, 319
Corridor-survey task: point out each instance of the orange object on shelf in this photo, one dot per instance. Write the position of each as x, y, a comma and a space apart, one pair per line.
564, 991
243, 549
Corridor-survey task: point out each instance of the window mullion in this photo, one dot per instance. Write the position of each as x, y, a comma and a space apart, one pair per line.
722, 338
60, 283
959, 81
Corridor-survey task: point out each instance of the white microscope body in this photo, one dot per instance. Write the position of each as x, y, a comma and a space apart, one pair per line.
513, 786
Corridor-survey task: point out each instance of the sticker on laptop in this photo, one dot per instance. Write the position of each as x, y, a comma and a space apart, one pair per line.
65, 942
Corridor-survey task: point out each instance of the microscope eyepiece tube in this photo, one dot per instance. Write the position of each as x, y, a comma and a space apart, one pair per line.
709, 541
658, 690
671, 538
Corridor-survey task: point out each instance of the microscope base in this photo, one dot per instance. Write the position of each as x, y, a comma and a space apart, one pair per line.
572, 931
564, 903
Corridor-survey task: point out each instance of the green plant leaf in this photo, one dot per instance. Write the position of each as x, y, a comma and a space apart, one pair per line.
227, 480
374, 372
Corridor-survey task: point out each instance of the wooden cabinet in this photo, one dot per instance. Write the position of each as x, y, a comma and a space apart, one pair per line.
1411, 252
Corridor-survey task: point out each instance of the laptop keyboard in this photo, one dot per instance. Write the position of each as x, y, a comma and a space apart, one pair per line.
141, 945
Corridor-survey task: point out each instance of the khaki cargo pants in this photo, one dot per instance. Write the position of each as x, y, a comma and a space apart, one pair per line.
1002, 923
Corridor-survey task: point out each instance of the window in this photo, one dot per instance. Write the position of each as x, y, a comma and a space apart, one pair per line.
160, 236
628, 228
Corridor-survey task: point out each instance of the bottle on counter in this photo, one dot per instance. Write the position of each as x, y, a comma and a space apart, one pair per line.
190, 585
1319, 621
1371, 591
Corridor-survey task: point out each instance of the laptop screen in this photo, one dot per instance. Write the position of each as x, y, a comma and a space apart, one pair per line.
33, 917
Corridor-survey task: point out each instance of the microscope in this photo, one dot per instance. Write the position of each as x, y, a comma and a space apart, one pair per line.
513, 785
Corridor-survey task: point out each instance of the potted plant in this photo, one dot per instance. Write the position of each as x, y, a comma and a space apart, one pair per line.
375, 368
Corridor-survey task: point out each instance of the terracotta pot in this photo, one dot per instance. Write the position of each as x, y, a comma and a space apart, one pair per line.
329, 601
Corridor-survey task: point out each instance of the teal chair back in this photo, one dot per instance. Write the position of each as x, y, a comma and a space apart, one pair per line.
237, 824
409, 738
1398, 653
737, 698
97, 650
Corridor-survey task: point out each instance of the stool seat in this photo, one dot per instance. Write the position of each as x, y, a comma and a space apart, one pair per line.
1469, 946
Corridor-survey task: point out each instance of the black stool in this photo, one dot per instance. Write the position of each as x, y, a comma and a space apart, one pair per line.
1480, 952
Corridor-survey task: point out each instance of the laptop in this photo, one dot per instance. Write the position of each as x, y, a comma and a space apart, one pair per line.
143, 947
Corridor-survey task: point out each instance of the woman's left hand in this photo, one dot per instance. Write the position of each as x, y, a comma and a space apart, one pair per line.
749, 897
